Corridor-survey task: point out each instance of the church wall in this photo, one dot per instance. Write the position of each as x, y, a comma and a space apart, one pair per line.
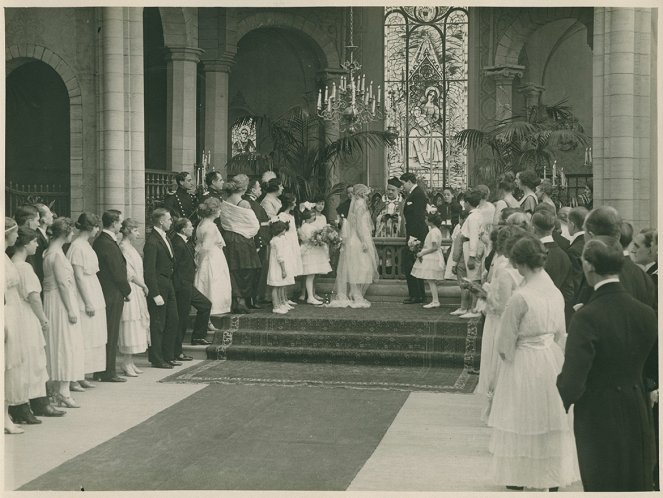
69, 33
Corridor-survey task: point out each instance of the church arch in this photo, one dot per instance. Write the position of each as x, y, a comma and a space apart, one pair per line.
17, 56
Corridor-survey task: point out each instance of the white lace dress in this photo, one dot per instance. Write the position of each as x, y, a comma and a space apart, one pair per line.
532, 442
135, 324
212, 274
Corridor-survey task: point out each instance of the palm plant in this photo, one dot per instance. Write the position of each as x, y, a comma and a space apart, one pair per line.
303, 157
529, 140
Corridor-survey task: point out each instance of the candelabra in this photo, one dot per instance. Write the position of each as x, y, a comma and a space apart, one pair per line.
352, 103
201, 170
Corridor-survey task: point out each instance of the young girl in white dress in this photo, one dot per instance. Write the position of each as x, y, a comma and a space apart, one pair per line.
91, 302
315, 258
212, 274
135, 324
289, 203
429, 265
280, 274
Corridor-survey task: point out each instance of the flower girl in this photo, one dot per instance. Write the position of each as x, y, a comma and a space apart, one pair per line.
430, 260
280, 273
286, 215
315, 255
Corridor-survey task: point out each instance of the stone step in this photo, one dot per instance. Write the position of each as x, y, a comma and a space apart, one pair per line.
395, 290
348, 340
341, 356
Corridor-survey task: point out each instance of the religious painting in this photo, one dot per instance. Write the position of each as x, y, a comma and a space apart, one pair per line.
426, 73
244, 137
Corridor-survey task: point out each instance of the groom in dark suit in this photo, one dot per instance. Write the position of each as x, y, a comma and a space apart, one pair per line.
414, 212
186, 293
115, 286
159, 266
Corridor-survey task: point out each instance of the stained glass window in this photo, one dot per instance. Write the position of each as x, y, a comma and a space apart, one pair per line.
426, 55
243, 137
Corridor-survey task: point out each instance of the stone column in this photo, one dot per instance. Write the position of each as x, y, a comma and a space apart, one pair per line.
217, 100
181, 74
532, 93
112, 178
136, 101
625, 112
504, 76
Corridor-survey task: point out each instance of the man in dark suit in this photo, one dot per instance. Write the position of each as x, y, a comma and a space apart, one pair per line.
414, 212
605, 221
186, 293
344, 207
115, 286
159, 266
576, 220
609, 340
183, 203
261, 240
558, 264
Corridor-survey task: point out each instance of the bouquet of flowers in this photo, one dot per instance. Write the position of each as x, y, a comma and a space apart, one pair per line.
330, 236
414, 245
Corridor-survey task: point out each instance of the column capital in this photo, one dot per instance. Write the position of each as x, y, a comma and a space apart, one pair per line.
189, 54
504, 74
221, 64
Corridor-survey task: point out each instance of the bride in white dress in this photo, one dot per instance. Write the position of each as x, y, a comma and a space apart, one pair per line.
212, 274
358, 261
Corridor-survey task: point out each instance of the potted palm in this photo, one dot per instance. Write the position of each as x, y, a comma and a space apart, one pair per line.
529, 140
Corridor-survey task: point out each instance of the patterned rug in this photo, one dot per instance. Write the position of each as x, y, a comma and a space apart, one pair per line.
399, 378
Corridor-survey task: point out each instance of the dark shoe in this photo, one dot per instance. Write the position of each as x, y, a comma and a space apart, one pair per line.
516, 488
161, 365
184, 357
24, 415
413, 300
111, 379
250, 303
264, 303
49, 411
174, 363
200, 342
553, 490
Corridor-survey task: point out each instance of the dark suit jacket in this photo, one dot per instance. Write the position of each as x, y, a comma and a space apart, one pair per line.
184, 272
343, 208
575, 255
414, 212
112, 268
158, 266
264, 234
558, 266
37, 261
608, 342
633, 279
561, 240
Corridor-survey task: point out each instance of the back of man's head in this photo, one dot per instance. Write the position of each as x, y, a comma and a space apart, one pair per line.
577, 216
543, 222
604, 220
625, 234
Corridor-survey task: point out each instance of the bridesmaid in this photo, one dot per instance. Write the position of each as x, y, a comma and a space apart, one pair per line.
16, 389
135, 323
34, 322
65, 346
91, 303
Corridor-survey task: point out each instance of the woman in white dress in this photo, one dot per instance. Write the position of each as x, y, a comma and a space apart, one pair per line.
65, 346
135, 324
315, 257
295, 253
504, 279
532, 442
358, 261
16, 387
212, 274
91, 302
430, 265
33, 323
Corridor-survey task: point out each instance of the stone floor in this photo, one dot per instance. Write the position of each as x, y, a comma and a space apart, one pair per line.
436, 442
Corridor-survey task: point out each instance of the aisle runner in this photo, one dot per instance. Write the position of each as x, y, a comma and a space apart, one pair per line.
435, 379
239, 437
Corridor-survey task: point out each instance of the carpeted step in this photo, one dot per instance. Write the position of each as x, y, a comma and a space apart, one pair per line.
344, 356
349, 340
395, 290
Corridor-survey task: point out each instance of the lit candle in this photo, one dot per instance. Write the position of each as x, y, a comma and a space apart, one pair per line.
329, 102
370, 90
373, 107
379, 94
554, 175
353, 93
363, 82
591, 159
319, 99
326, 91
333, 95
545, 171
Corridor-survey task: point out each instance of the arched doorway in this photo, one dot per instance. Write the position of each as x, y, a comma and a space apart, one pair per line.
37, 151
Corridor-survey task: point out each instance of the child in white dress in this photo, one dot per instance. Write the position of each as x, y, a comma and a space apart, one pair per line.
280, 273
430, 265
315, 257
286, 215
